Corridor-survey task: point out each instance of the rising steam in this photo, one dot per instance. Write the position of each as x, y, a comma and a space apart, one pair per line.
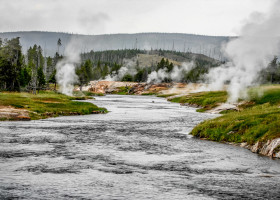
249, 54
66, 75
127, 68
175, 75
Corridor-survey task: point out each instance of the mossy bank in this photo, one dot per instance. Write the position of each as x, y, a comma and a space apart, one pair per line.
26, 106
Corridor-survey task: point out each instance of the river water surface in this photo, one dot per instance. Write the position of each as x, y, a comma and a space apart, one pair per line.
139, 150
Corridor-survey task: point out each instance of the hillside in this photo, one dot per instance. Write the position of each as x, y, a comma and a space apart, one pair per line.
141, 66
146, 58
207, 45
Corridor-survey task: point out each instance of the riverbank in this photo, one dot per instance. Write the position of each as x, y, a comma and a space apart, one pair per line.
26, 106
253, 124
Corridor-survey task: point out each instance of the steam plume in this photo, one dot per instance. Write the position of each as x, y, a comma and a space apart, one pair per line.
66, 75
127, 68
249, 54
175, 75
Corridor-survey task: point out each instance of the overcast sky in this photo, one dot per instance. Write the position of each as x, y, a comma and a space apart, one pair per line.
206, 17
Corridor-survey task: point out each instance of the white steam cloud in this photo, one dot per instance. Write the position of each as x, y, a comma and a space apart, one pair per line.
249, 54
176, 74
65, 69
127, 68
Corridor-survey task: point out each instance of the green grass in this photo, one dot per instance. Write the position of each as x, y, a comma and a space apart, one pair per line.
258, 120
207, 100
271, 96
259, 123
48, 104
166, 95
84, 95
98, 94
122, 91
149, 93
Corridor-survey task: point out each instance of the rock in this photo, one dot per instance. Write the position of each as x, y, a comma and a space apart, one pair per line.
231, 132
256, 147
190, 105
269, 147
223, 107
244, 145
277, 155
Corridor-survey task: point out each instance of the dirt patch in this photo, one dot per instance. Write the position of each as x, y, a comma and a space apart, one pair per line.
11, 113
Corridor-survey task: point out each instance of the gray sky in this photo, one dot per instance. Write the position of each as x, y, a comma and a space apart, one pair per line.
206, 17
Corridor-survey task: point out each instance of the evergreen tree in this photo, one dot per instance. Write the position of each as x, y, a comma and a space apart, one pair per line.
11, 63
41, 78
52, 79
25, 77
105, 71
58, 45
127, 78
139, 76
35, 62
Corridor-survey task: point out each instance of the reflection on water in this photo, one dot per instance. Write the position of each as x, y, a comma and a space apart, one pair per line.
140, 150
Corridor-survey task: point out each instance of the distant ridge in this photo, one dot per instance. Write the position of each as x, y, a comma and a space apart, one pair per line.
207, 45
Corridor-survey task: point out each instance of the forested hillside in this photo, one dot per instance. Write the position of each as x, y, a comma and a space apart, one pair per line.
207, 45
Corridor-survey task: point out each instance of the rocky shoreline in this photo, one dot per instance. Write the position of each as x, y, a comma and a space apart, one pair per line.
271, 148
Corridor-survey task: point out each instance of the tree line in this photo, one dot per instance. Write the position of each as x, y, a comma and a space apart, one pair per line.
33, 71
30, 72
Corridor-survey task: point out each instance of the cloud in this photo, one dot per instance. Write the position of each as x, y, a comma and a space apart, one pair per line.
127, 16
92, 22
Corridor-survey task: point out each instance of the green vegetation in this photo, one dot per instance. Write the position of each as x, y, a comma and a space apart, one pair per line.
149, 94
257, 120
82, 94
166, 95
25, 73
48, 104
35, 73
207, 100
103, 63
123, 91
259, 123
97, 94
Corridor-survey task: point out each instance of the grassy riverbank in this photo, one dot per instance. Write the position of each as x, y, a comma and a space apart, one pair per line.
206, 100
256, 120
46, 104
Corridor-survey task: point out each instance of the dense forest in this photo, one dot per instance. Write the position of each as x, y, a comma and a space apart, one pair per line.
32, 71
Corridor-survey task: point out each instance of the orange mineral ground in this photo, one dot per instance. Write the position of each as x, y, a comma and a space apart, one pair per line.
107, 87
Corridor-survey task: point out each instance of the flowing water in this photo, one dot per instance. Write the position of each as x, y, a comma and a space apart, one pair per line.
140, 150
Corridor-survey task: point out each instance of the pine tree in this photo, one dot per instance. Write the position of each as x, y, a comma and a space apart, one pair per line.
58, 45
41, 78
11, 59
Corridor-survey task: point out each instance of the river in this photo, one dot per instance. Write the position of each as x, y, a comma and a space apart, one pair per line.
139, 150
